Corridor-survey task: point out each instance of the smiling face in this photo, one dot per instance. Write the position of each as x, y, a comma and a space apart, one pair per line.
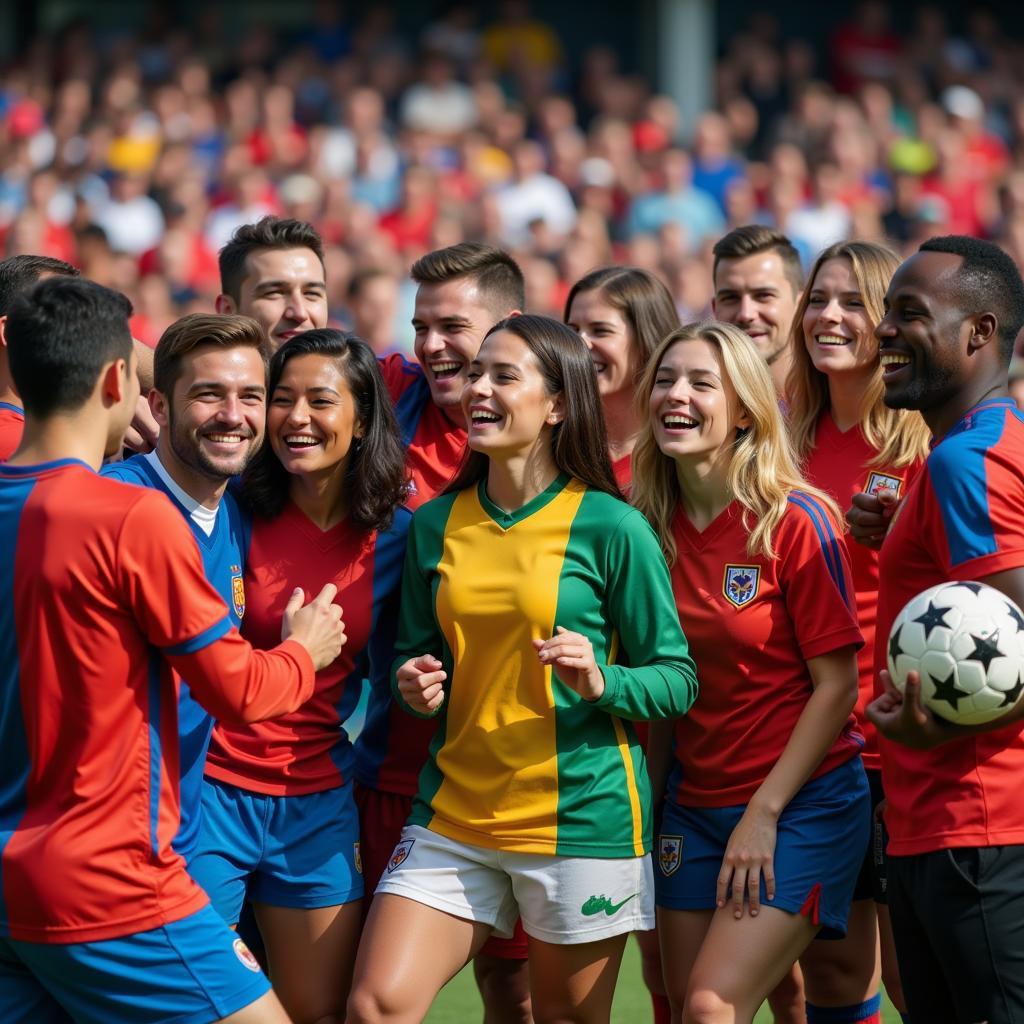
923, 337
450, 320
312, 421
214, 421
609, 337
506, 403
838, 332
694, 410
754, 293
284, 290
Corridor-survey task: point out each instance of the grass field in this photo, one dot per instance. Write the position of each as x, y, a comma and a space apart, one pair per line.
459, 1003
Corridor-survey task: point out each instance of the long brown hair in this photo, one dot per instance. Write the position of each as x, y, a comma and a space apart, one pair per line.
643, 300
899, 436
579, 444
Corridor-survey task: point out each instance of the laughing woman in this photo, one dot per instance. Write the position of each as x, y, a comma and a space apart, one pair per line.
537, 620
766, 811
279, 819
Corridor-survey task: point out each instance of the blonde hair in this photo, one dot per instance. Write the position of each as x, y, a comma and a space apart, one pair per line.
763, 471
899, 436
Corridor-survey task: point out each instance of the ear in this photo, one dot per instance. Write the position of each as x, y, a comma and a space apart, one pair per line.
743, 420
159, 406
3, 332
557, 413
114, 381
225, 304
984, 329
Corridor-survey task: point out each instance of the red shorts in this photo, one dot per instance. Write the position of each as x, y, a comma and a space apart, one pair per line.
381, 819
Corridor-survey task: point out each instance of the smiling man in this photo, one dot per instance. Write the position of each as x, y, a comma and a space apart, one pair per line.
758, 280
954, 813
273, 271
209, 398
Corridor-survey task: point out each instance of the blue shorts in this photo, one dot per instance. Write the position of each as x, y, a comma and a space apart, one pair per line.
822, 835
191, 971
285, 851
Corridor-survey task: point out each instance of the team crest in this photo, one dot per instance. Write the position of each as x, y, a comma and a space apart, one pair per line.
237, 590
670, 854
357, 858
883, 482
245, 957
741, 584
401, 854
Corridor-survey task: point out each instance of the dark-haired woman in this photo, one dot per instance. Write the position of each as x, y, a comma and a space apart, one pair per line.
280, 824
538, 622
622, 314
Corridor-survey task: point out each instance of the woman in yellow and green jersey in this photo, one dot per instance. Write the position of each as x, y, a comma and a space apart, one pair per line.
538, 622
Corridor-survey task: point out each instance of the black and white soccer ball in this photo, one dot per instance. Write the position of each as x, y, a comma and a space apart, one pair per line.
967, 642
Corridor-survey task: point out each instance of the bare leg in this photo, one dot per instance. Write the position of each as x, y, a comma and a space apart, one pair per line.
408, 953
574, 984
311, 954
504, 986
787, 998
681, 934
890, 965
741, 961
845, 972
265, 1010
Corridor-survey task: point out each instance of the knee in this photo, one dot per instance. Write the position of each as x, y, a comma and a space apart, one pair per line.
365, 1007
505, 989
704, 1006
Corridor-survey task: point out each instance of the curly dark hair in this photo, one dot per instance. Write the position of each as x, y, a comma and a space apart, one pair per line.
376, 478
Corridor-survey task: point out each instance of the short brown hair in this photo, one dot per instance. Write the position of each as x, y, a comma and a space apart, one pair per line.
496, 274
268, 233
752, 239
225, 330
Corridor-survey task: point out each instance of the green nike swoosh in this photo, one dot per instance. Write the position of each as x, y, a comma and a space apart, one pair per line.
596, 904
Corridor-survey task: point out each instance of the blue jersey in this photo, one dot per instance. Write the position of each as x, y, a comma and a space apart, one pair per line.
223, 553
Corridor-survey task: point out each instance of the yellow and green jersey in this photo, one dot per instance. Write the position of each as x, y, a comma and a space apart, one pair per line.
520, 761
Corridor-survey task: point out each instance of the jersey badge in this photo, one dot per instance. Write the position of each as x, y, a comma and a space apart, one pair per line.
245, 957
883, 482
237, 590
670, 854
741, 584
401, 854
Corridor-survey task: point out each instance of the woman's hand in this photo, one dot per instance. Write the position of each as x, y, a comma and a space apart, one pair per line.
749, 855
420, 683
571, 655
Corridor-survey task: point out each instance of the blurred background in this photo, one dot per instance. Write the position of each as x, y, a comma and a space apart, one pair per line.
135, 138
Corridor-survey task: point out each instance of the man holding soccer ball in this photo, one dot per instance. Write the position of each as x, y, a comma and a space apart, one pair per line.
955, 813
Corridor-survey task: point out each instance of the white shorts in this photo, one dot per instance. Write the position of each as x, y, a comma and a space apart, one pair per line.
561, 900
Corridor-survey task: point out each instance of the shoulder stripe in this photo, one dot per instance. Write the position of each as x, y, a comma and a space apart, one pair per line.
827, 537
204, 639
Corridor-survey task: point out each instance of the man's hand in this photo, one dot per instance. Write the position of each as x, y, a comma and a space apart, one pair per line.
317, 625
142, 434
902, 718
870, 516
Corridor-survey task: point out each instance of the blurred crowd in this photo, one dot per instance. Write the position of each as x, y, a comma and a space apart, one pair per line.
135, 155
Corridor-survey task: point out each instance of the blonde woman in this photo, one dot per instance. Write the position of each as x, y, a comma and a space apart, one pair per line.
851, 442
767, 808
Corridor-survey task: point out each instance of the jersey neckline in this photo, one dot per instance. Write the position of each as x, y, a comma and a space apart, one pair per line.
506, 520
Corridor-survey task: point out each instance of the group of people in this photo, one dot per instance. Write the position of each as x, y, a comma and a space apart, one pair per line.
620, 645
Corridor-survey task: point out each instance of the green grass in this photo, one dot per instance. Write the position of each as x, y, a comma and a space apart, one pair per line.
459, 1003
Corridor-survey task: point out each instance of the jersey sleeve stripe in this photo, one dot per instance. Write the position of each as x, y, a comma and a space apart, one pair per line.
155, 753
827, 537
204, 639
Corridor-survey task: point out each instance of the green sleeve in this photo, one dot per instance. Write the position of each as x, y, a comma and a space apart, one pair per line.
655, 677
418, 632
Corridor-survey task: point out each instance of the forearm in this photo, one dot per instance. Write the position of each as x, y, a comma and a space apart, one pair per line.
816, 730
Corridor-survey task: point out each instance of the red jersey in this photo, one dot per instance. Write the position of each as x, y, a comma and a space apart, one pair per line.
308, 751
392, 747
752, 623
434, 445
623, 470
103, 593
12, 425
839, 465
962, 519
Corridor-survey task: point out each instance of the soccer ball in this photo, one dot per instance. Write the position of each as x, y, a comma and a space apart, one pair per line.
967, 642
